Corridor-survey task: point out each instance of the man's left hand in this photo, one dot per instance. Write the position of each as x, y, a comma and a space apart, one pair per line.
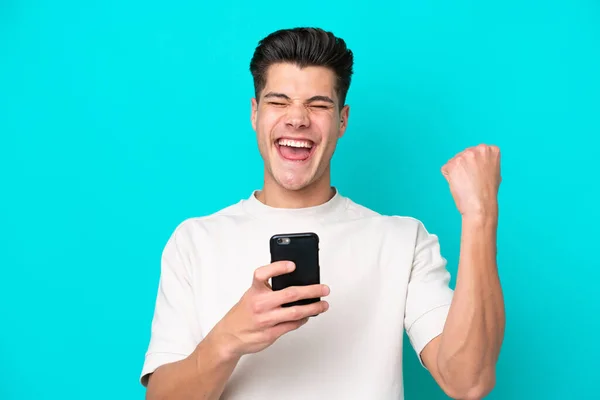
474, 179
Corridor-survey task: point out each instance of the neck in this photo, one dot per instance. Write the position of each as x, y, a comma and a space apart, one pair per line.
315, 194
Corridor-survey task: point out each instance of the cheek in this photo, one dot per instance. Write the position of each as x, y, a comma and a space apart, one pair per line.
326, 126
332, 133
263, 129
266, 124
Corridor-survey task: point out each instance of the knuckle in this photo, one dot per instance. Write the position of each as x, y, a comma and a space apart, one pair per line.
256, 306
291, 294
258, 274
261, 321
293, 312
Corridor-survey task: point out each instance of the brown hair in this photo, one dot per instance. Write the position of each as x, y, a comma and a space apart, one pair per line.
303, 47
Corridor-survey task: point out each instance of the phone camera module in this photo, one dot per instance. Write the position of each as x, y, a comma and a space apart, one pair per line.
283, 241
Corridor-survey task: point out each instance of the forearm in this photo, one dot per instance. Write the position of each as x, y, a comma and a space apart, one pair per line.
201, 376
474, 330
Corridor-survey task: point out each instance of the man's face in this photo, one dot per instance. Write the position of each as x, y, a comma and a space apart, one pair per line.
297, 123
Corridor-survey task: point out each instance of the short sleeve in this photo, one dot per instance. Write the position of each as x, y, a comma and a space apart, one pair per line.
429, 294
175, 330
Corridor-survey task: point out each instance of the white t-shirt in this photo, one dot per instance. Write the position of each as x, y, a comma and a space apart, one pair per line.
386, 274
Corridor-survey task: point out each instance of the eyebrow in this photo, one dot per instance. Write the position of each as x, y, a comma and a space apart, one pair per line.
326, 99
321, 98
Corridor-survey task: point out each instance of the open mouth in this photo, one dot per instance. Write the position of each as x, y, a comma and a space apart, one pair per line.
295, 149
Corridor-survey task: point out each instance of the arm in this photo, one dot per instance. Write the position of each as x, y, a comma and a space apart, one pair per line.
201, 375
462, 359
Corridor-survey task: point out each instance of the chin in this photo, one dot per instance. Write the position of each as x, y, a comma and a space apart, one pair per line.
293, 182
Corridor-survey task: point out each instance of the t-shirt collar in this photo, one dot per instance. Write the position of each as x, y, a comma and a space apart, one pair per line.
334, 205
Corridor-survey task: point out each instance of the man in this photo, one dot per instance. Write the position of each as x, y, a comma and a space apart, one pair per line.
219, 331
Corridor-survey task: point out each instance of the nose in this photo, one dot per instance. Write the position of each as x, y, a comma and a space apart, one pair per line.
297, 116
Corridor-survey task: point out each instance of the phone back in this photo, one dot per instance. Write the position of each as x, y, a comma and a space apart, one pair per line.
303, 250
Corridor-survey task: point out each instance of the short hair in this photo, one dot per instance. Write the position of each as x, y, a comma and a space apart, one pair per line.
303, 47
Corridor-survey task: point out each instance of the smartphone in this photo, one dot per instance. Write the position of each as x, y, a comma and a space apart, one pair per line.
303, 250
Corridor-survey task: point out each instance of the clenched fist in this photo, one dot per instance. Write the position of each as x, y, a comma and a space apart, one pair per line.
474, 179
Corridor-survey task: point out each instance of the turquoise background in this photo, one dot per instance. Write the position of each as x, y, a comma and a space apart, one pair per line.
120, 119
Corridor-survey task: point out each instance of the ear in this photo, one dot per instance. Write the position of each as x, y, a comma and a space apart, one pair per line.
254, 110
344, 114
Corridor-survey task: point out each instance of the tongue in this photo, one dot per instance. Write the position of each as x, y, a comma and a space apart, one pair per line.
294, 153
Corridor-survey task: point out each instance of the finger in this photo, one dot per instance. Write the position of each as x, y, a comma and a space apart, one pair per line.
294, 293
268, 301
295, 313
285, 327
263, 274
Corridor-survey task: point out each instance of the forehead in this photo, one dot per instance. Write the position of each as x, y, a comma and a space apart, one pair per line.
300, 83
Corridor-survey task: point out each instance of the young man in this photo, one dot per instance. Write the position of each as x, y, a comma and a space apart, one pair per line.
219, 331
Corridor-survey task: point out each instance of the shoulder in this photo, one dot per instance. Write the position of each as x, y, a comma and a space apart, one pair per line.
388, 223
193, 230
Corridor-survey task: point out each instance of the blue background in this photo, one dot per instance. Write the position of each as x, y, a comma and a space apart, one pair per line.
120, 119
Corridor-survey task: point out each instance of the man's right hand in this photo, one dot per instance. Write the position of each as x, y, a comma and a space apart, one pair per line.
258, 319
